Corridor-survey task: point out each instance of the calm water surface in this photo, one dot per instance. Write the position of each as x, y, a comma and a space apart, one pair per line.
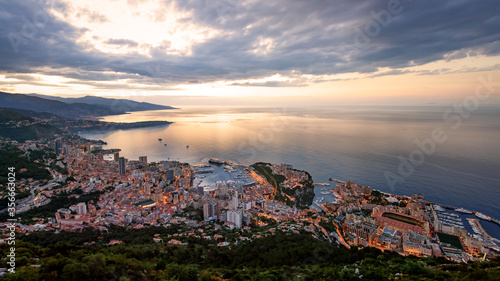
348, 143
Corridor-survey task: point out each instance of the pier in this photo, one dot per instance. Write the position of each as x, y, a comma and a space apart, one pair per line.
336, 180
449, 207
480, 229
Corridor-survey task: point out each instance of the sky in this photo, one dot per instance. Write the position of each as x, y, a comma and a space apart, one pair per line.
315, 52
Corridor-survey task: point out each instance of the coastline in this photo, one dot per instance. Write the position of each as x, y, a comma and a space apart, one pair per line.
208, 134
110, 126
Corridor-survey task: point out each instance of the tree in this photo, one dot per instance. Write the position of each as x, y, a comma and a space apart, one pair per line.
97, 266
76, 271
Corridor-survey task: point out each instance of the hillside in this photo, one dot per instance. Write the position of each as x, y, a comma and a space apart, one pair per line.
114, 105
37, 104
74, 107
17, 125
29, 132
8, 115
22, 125
11, 156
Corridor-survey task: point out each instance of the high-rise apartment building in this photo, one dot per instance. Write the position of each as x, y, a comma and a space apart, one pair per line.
121, 165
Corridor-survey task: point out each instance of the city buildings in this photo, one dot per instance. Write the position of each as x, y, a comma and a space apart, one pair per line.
174, 193
58, 147
121, 165
235, 217
210, 210
235, 200
81, 208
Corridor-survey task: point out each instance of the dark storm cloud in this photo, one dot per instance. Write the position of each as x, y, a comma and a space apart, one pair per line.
315, 36
259, 39
31, 38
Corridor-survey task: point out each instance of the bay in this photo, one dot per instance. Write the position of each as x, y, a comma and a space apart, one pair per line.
362, 144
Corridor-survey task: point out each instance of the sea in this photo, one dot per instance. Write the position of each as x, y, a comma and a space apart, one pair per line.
450, 156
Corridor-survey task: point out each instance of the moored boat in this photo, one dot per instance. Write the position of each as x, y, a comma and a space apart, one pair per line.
463, 211
482, 216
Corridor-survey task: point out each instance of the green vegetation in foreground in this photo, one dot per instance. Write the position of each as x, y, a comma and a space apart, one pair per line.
302, 198
11, 156
49, 256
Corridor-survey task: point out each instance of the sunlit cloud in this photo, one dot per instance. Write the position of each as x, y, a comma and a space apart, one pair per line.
151, 26
225, 48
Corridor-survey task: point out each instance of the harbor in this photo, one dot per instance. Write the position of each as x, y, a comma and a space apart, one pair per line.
216, 174
474, 223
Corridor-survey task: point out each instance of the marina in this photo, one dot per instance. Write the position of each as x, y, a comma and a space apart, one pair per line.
461, 218
438, 208
319, 200
473, 225
214, 176
451, 219
478, 228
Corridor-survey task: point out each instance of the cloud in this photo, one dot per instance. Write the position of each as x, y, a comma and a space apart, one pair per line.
255, 39
118, 86
271, 84
33, 83
390, 73
23, 77
126, 42
93, 16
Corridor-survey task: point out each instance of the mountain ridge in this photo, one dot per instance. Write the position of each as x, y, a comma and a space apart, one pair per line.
74, 108
112, 103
